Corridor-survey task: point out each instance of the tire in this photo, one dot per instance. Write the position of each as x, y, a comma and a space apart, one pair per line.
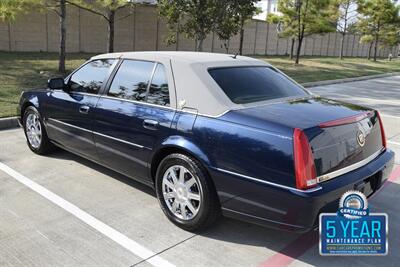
207, 208
38, 143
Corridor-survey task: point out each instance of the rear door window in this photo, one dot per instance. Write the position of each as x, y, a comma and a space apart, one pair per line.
158, 91
251, 84
131, 80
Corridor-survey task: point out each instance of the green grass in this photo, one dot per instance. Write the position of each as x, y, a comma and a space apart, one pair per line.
21, 71
313, 69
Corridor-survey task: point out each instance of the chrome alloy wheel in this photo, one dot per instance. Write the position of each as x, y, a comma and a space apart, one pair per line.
33, 130
182, 192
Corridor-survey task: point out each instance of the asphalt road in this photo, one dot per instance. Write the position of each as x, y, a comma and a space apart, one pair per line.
63, 210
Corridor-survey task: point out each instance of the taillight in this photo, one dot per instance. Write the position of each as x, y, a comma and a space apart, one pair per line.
306, 175
382, 130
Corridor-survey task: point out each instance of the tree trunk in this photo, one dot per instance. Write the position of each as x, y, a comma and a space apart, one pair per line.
226, 45
199, 44
369, 50
298, 50
111, 30
63, 34
291, 49
300, 28
376, 46
342, 46
241, 37
344, 30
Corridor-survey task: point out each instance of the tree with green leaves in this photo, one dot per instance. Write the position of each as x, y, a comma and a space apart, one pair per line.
369, 40
391, 36
302, 18
377, 17
198, 18
231, 15
245, 9
227, 22
290, 32
346, 13
107, 9
194, 18
9, 10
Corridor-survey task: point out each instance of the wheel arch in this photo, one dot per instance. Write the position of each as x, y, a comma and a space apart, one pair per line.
178, 145
31, 102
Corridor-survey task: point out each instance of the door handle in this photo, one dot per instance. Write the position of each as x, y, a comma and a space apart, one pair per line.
150, 124
84, 109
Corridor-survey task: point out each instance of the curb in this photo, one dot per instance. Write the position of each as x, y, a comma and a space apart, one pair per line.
346, 80
9, 123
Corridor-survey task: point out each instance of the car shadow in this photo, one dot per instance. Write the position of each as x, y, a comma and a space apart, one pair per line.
225, 229
303, 247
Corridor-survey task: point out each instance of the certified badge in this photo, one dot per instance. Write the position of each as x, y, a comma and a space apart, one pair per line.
353, 205
353, 230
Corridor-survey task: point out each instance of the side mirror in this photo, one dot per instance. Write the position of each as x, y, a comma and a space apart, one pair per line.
56, 83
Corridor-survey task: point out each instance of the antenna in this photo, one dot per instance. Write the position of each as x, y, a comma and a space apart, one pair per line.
234, 56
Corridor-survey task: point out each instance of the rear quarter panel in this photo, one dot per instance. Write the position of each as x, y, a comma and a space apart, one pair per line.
265, 155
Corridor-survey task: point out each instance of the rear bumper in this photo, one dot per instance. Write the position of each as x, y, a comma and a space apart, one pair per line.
291, 209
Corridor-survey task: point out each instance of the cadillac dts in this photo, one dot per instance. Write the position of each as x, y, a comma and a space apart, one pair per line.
212, 134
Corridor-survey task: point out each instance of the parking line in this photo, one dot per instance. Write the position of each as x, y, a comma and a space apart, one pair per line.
103, 228
390, 116
304, 242
393, 142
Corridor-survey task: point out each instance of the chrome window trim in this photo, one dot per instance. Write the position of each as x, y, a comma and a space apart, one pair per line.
334, 174
75, 92
149, 82
146, 103
202, 114
137, 102
97, 133
164, 107
270, 183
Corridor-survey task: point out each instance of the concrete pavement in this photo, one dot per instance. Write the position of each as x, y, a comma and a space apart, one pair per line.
382, 94
36, 232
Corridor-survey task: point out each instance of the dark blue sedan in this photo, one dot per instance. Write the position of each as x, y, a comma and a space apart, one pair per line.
212, 134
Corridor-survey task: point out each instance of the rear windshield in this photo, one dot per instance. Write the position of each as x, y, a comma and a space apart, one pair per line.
251, 84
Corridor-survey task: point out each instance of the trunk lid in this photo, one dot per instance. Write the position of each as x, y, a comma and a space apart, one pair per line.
334, 146
340, 146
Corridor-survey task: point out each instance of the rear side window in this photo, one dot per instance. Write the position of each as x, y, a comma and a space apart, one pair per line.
91, 76
158, 91
131, 80
251, 84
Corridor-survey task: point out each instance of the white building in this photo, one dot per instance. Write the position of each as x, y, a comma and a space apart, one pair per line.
267, 7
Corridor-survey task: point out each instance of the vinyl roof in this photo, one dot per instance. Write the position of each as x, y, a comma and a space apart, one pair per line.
178, 56
194, 87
